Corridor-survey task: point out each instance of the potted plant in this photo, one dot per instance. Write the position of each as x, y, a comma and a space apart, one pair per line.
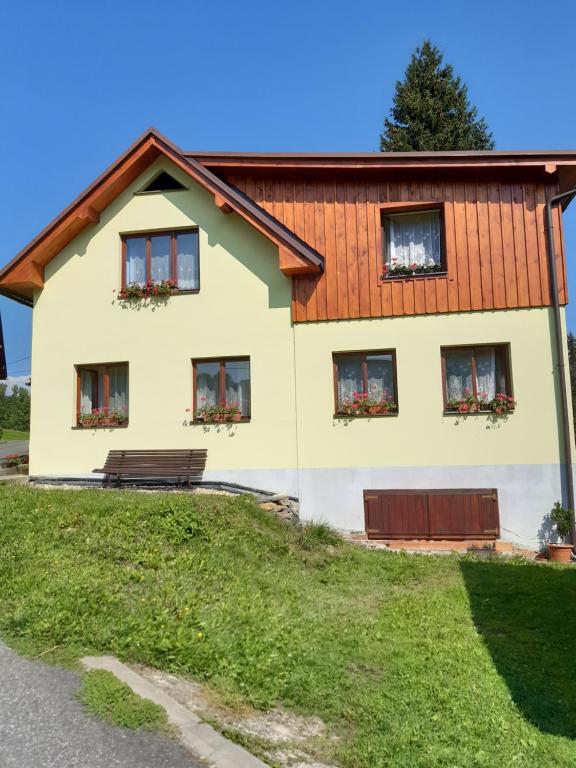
562, 519
501, 404
17, 462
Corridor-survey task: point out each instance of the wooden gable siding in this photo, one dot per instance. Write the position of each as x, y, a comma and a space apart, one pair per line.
494, 242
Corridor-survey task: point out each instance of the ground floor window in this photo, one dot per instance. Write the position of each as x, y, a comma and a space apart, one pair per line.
221, 389
476, 377
365, 383
102, 395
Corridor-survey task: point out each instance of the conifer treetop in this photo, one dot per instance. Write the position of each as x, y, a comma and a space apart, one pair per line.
431, 110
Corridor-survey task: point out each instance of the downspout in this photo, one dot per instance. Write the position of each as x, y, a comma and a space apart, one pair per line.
561, 364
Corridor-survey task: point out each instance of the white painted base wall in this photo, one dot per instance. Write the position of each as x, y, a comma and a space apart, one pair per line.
526, 492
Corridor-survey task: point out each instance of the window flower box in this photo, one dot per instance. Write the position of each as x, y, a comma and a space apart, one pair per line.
500, 405
409, 270
216, 414
363, 404
102, 417
150, 290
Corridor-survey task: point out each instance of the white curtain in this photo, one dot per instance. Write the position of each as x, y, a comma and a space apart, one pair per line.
187, 267
136, 260
87, 393
118, 395
380, 376
414, 238
238, 384
207, 380
349, 378
458, 373
160, 257
486, 372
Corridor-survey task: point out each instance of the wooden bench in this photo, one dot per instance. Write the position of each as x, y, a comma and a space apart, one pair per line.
179, 463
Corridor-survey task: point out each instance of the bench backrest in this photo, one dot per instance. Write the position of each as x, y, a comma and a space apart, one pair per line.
156, 462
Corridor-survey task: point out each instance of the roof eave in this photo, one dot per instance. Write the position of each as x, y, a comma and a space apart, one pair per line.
25, 272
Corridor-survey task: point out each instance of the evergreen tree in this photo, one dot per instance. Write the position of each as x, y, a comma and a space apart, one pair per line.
431, 111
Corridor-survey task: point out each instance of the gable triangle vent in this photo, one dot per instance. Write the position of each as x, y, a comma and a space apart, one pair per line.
163, 183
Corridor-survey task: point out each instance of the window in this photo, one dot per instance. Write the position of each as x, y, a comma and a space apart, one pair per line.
153, 258
221, 389
365, 383
413, 243
102, 397
475, 374
163, 182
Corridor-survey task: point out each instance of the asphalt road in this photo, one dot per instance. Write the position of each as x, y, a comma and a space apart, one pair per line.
42, 725
13, 446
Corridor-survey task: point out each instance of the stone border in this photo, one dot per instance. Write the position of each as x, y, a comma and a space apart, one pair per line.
199, 737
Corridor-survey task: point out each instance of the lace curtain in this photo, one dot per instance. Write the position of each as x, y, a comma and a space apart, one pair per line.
414, 238
459, 373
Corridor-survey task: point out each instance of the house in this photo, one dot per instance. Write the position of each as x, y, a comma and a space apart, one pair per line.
369, 333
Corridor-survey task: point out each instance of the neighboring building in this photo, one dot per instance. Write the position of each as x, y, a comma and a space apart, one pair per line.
301, 280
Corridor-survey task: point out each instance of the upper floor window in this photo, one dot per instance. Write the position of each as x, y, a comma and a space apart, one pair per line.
413, 243
365, 383
475, 378
222, 389
162, 257
102, 396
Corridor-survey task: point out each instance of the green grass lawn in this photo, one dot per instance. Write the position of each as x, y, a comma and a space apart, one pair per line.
412, 661
115, 702
13, 434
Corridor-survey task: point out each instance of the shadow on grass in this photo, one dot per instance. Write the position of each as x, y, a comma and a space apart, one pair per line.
526, 614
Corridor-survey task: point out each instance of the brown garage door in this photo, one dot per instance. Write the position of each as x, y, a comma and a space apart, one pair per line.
435, 514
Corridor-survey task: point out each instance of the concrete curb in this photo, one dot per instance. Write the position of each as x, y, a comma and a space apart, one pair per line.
200, 738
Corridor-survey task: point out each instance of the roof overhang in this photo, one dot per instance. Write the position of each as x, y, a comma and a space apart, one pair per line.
554, 165
25, 273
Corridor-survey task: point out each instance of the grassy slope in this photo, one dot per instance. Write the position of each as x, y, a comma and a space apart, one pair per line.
416, 661
9, 435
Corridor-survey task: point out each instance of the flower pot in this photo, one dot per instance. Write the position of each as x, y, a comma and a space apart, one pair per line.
560, 553
89, 423
22, 469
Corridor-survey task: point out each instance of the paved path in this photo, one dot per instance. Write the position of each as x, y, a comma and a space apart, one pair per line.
13, 446
42, 725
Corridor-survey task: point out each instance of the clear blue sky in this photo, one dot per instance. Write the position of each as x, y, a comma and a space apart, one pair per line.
80, 81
